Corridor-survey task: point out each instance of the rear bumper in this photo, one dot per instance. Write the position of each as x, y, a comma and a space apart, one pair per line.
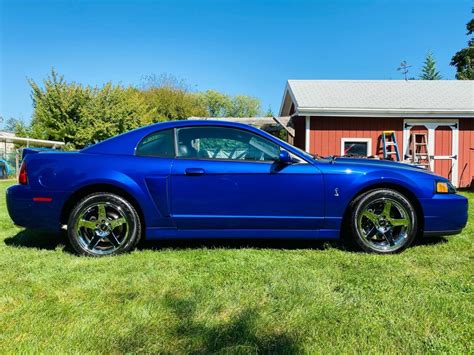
26, 212
444, 214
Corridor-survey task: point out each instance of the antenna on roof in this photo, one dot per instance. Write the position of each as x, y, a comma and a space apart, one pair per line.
403, 68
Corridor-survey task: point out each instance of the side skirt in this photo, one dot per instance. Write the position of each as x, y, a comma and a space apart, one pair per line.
160, 234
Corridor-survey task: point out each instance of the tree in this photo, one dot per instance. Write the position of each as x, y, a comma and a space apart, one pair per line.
463, 60
17, 126
223, 105
245, 106
429, 72
217, 104
171, 99
269, 112
81, 115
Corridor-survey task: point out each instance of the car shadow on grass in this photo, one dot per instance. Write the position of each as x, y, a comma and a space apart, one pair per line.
50, 241
285, 244
39, 240
430, 241
239, 244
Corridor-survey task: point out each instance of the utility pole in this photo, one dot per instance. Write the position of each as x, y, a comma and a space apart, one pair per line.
403, 68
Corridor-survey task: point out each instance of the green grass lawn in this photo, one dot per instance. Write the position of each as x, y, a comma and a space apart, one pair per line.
238, 297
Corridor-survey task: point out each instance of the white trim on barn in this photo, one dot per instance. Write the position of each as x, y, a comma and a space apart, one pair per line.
307, 133
431, 126
354, 112
357, 140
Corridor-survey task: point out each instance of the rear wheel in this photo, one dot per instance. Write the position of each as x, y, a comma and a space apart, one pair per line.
103, 224
383, 221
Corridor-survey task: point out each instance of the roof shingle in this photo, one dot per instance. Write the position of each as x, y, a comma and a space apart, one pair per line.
379, 95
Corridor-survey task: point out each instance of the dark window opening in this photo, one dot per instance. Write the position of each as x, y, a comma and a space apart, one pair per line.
356, 148
158, 144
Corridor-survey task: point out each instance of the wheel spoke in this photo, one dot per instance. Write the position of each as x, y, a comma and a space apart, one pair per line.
117, 222
397, 222
387, 208
371, 233
113, 239
94, 241
371, 216
389, 237
87, 224
102, 215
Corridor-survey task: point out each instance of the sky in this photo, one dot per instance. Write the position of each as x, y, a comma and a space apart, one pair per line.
237, 47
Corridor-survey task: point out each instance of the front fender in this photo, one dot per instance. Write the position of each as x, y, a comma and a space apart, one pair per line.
343, 185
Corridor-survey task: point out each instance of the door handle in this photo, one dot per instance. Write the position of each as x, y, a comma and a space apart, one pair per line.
194, 171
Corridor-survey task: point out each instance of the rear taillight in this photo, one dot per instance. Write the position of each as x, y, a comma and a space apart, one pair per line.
23, 176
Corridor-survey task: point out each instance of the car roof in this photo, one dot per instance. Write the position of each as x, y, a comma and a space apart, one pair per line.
124, 144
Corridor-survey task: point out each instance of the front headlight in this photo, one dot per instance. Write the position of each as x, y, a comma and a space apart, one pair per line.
445, 187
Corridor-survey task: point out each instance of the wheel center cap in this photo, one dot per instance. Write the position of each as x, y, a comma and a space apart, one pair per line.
103, 229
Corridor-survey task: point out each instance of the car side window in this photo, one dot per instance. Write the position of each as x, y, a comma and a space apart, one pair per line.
224, 143
158, 144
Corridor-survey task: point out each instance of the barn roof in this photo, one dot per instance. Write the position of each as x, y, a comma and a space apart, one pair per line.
410, 98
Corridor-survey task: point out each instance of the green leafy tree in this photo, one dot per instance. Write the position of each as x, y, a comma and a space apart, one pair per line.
245, 106
223, 105
112, 110
81, 115
463, 60
171, 98
216, 103
172, 104
17, 126
269, 112
429, 71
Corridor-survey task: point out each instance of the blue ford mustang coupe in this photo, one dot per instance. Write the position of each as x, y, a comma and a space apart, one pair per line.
208, 179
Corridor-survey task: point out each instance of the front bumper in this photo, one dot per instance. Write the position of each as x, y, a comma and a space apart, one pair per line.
444, 214
26, 212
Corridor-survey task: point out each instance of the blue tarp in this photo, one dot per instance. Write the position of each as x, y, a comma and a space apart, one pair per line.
4, 169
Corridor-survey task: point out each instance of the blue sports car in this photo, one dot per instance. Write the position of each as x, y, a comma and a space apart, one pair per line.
209, 179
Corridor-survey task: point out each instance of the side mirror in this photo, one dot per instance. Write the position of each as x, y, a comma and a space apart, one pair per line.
284, 157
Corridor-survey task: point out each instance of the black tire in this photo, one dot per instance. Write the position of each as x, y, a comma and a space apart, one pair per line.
383, 210
117, 229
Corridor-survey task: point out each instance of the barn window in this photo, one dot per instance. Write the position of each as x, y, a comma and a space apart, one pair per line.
361, 147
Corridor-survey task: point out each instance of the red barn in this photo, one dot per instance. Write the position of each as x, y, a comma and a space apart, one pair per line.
349, 117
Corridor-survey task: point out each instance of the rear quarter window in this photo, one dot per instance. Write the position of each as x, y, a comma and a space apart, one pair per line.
159, 144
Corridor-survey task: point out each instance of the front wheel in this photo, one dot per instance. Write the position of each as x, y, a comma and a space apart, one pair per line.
103, 224
383, 221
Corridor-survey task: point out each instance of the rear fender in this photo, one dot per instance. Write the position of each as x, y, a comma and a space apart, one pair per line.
120, 181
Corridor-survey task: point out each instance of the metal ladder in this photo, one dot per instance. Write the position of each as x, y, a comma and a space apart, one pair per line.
389, 139
419, 150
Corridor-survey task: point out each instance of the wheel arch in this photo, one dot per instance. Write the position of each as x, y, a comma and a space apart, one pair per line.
93, 188
386, 185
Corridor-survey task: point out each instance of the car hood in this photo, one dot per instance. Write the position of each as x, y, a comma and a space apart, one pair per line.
377, 163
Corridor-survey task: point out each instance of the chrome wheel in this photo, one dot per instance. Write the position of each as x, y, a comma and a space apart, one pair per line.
384, 224
102, 228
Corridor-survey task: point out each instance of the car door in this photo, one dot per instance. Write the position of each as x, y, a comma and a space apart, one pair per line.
226, 177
